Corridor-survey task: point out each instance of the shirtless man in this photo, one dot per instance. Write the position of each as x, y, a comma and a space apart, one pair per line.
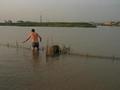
35, 37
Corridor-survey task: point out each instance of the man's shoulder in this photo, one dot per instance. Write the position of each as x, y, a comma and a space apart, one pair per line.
36, 33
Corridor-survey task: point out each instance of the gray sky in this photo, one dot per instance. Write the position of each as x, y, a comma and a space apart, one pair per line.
60, 10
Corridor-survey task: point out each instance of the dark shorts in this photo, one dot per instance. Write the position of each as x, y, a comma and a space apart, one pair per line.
35, 44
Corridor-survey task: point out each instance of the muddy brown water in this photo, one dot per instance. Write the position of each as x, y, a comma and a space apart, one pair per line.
24, 70
20, 69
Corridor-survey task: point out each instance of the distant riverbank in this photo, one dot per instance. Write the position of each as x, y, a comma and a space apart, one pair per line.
50, 24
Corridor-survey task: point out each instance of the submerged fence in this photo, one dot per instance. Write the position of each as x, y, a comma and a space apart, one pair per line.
64, 50
96, 56
15, 45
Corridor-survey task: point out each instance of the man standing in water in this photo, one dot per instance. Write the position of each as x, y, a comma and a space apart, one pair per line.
35, 37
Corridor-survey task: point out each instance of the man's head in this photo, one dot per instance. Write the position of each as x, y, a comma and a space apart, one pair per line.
33, 30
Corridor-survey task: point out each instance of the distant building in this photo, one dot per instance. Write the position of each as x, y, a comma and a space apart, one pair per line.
110, 23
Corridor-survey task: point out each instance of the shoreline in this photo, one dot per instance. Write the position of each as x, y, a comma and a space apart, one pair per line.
51, 24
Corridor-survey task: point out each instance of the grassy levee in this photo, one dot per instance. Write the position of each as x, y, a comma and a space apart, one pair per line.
51, 24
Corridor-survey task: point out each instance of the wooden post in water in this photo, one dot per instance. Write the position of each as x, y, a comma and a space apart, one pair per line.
8, 45
17, 46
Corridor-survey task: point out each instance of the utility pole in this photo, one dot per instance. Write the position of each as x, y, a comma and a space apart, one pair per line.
40, 18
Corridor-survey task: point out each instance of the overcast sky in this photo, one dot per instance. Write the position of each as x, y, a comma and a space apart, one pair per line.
60, 10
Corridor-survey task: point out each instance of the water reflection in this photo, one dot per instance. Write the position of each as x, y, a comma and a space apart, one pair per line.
35, 60
35, 55
52, 59
115, 61
39, 60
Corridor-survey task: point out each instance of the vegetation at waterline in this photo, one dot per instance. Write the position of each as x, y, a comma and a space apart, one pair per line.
48, 24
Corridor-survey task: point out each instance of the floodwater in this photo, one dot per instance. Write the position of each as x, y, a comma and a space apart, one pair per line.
21, 69
97, 41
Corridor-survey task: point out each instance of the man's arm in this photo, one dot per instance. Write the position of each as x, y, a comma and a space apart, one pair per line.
27, 39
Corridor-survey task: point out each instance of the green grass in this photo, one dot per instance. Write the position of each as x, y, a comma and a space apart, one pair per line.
50, 24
